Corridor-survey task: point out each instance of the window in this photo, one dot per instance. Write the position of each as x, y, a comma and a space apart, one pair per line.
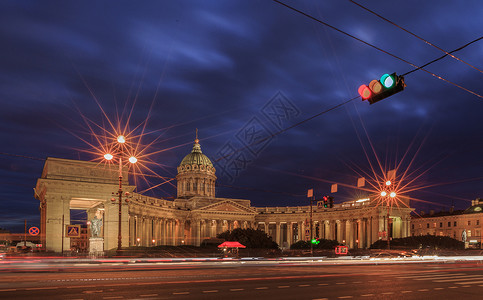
440, 224
469, 233
412, 226
469, 223
454, 224
477, 222
434, 225
449, 224
427, 225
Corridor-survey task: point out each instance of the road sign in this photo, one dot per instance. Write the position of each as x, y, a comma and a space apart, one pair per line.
341, 250
34, 231
72, 231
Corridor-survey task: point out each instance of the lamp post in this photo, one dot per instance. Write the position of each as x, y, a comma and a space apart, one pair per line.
121, 140
386, 196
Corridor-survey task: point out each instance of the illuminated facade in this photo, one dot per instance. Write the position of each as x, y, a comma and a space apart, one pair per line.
452, 223
196, 214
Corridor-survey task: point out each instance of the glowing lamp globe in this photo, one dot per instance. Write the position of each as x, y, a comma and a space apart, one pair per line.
383, 194
121, 139
392, 194
388, 182
108, 156
133, 160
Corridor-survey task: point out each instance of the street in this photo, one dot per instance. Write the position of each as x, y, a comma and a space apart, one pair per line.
245, 280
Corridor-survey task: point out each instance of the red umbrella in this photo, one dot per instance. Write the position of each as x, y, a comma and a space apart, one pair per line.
231, 245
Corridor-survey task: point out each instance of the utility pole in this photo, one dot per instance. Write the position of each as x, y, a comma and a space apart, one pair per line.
25, 236
310, 195
311, 235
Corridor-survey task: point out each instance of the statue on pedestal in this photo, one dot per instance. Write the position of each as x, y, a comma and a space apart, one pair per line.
96, 224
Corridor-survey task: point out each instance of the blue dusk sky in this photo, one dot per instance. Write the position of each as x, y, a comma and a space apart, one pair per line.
268, 88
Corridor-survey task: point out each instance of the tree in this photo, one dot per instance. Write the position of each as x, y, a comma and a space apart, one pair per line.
250, 238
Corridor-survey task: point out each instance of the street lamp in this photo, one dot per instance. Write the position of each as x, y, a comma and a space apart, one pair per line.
108, 156
385, 196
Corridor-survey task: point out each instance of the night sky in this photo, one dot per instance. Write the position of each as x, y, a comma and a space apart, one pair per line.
237, 68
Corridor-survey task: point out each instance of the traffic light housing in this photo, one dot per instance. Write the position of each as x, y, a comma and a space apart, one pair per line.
326, 201
388, 85
331, 201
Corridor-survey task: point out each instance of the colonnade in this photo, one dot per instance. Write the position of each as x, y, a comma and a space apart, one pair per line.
196, 186
354, 233
154, 231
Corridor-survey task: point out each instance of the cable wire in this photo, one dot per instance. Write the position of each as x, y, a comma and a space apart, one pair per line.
443, 56
285, 129
417, 36
377, 48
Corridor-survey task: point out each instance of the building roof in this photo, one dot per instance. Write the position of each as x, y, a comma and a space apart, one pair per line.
475, 209
196, 157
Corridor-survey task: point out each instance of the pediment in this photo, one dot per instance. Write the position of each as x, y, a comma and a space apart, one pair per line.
226, 206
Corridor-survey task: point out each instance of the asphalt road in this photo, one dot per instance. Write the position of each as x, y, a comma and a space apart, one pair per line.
237, 280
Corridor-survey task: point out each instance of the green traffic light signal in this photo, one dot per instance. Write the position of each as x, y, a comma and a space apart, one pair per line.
388, 80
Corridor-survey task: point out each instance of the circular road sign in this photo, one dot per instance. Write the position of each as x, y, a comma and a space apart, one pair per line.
34, 230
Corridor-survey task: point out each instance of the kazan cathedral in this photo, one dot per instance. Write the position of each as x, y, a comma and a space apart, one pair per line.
67, 186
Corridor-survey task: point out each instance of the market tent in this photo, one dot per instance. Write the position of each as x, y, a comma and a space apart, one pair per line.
231, 245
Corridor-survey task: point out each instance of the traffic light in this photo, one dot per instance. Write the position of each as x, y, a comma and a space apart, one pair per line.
331, 201
315, 241
388, 85
326, 201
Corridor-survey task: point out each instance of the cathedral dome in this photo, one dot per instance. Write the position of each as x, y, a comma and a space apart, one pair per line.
196, 157
196, 174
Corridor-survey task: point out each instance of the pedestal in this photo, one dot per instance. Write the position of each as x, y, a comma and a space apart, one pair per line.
96, 246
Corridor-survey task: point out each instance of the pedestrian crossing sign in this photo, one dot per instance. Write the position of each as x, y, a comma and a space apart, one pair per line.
72, 231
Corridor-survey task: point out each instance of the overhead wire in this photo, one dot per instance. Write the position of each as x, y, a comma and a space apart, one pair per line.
285, 129
378, 48
417, 36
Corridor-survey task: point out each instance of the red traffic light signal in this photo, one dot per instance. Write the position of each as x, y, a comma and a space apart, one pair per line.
388, 85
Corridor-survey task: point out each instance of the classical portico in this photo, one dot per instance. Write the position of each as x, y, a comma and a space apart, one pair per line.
66, 185
196, 214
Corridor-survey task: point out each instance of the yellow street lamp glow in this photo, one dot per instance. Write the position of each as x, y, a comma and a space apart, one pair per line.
383, 194
392, 194
133, 160
108, 156
121, 139
388, 182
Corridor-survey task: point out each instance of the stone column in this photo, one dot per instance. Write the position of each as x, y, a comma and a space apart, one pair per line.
132, 238
340, 235
172, 232
196, 232
289, 234
349, 234
375, 228
277, 233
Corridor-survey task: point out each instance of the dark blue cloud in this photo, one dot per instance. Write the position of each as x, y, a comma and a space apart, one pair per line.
214, 65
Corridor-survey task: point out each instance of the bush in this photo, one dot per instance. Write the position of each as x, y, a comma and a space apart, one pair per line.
323, 244
422, 241
250, 238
